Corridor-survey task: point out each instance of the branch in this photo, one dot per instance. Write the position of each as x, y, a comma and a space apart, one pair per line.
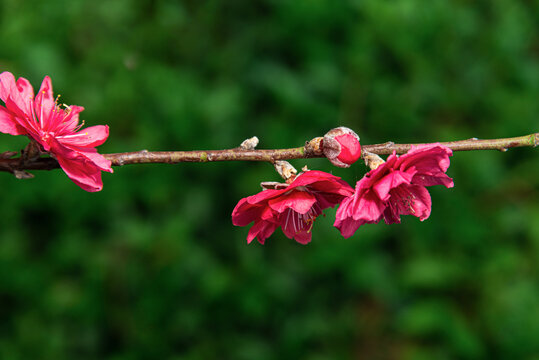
312, 149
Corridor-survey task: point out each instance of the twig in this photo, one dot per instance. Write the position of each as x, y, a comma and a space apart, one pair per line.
312, 149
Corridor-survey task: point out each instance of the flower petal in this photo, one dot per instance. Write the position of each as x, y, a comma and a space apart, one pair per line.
261, 230
428, 159
69, 120
348, 226
99, 160
245, 213
7, 82
20, 97
431, 180
364, 207
368, 208
82, 172
45, 103
303, 237
299, 201
83, 168
9, 124
390, 181
264, 195
296, 226
344, 220
61, 149
334, 187
408, 200
89, 137
17, 95
312, 176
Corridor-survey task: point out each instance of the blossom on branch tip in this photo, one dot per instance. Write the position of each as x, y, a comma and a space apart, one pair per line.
292, 207
55, 129
396, 187
341, 146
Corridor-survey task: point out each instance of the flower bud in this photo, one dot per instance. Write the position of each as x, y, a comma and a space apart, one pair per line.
372, 160
341, 146
285, 169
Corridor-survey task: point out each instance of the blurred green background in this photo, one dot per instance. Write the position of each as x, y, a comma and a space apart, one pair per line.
152, 267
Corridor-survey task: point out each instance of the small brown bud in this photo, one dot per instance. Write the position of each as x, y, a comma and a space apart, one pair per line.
285, 169
249, 144
372, 160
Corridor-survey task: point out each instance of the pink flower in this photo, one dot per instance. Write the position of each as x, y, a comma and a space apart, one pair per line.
56, 129
397, 187
294, 208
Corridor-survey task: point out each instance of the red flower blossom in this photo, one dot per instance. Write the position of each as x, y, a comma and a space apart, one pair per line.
56, 129
396, 187
293, 208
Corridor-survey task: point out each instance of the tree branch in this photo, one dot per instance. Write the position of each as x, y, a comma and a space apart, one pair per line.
312, 149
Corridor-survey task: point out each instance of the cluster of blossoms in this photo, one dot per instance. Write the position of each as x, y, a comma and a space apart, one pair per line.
392, 188
54, 129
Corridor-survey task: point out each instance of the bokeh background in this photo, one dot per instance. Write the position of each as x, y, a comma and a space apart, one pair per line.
152, 268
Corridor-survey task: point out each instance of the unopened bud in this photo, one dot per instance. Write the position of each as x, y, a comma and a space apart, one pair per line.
249, 144
341, 146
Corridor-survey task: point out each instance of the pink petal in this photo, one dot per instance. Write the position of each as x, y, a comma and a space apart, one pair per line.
45, 103
245, 213
348, 226
22, 97
82, 172
364, 207
7, 82
344, 220
89, 137
368, 208
303, 237
328, 189
295, 226
350, 148
264, 195
391, 181
62, 150
408, 200
99, 160
426, 158
312, 176
428, 180
9, 124
83, 168
241, 216
333, 186
375, 175
70, 120
268, 213
327, 200
266, 232
17, 95
261, 230
299, 201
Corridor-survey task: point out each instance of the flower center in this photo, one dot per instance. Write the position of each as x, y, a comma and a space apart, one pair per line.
46, 136
403, 201
302, 222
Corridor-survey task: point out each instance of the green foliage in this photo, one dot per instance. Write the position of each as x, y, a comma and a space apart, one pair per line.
152, 268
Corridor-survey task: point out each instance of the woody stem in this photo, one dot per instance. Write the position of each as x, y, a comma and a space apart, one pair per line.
312, 149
